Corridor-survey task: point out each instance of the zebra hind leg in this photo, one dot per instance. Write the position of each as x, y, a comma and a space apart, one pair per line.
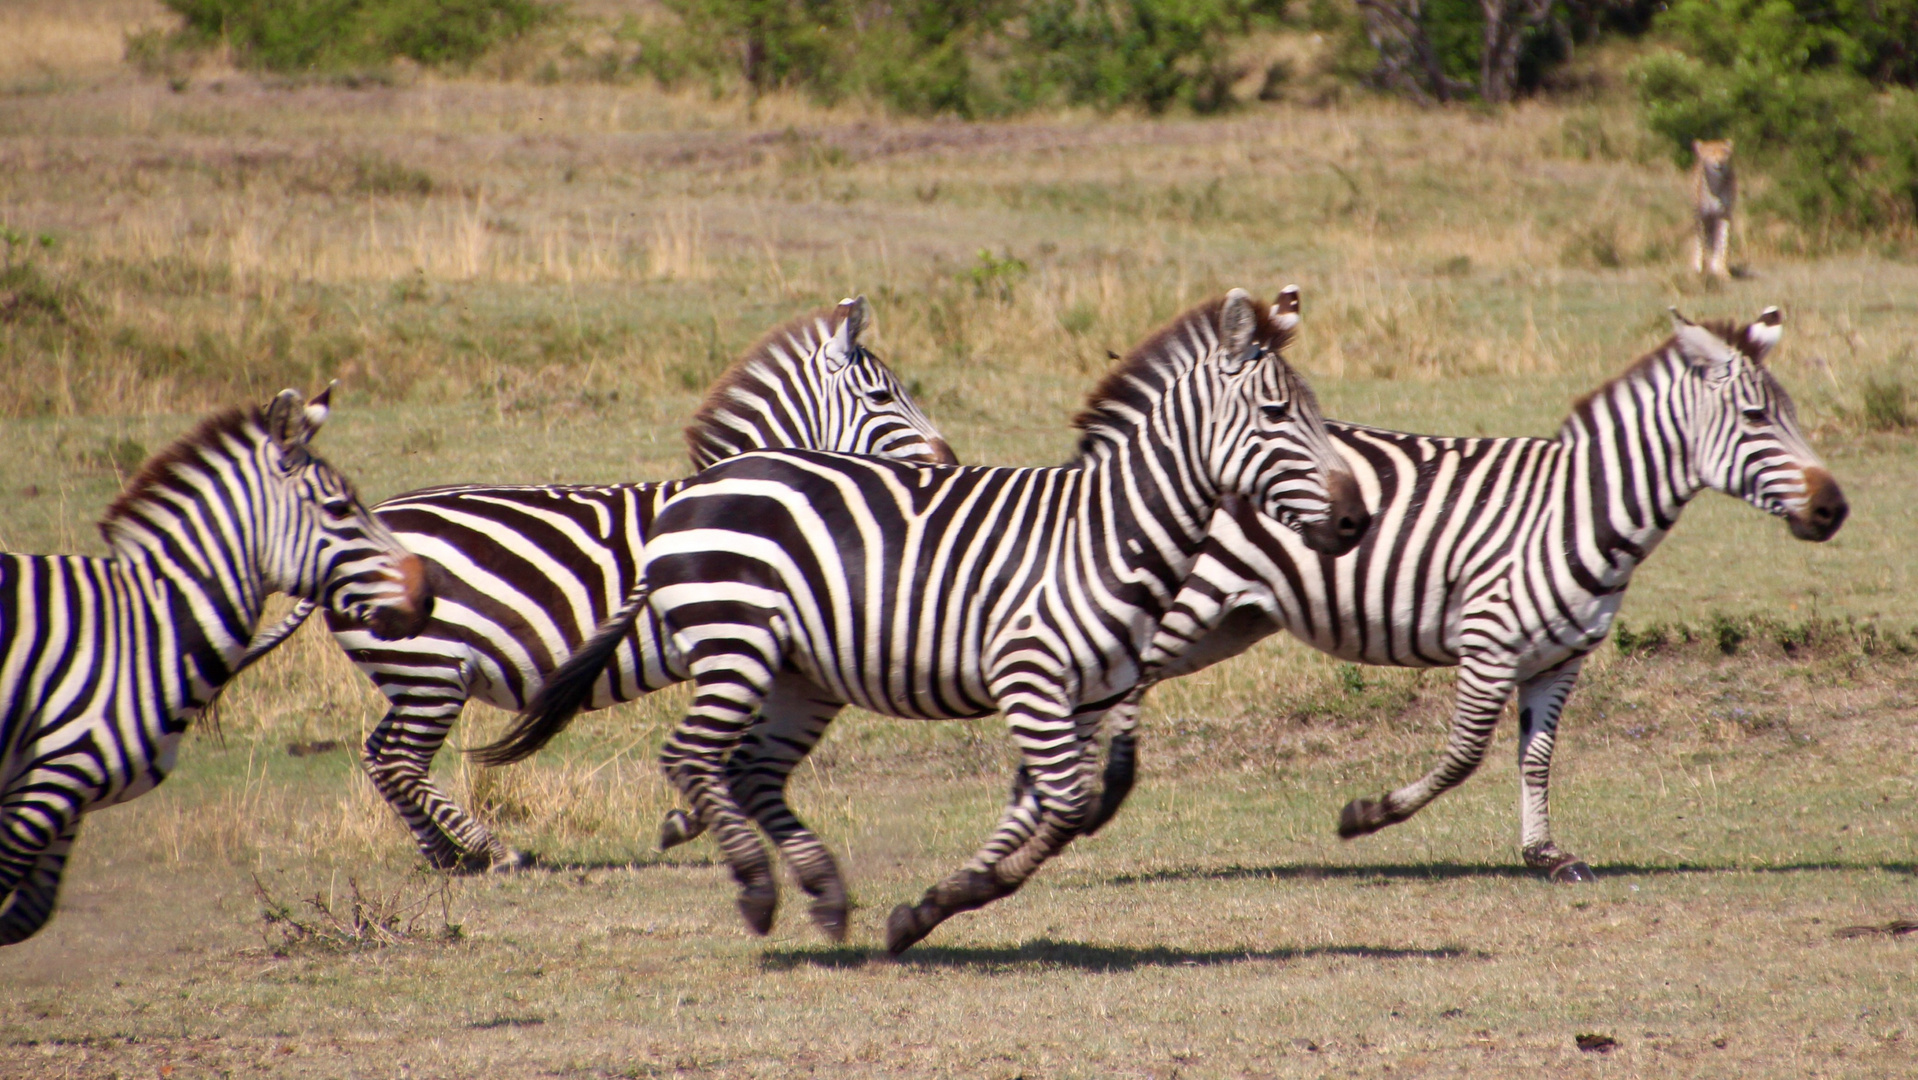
25, 910
1122, 762
1481, 697
398, 756
791, 722
731, 678
1541, 700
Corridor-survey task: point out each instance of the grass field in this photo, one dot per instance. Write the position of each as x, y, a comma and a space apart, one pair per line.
526, 282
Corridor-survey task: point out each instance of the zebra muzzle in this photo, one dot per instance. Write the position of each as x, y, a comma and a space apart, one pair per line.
408, 615
1825, 508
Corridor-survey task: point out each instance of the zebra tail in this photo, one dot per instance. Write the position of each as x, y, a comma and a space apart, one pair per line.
263, 642
567, 690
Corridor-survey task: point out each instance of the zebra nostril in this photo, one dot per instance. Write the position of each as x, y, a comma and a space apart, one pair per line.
1348, 527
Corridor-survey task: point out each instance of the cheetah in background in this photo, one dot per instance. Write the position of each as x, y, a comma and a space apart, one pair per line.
1714, 190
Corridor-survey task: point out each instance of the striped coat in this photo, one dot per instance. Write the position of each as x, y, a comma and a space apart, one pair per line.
937, 592
104, 661
1505, 557
524, 572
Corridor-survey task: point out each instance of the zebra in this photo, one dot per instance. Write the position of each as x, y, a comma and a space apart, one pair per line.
1505, 557
943, 592
523, 573
105, 660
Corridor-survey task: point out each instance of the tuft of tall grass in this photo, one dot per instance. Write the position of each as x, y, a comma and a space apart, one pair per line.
1886, 405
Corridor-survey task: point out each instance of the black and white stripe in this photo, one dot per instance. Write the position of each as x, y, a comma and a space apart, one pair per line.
103, 661
524, 573
1505, 557
803, 581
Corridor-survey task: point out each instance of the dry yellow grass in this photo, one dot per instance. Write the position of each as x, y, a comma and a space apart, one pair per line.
53, 39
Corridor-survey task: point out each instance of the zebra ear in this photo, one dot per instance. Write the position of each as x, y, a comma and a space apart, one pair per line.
285, 417
1702, 349
318, 410
1238, 325
1285, 310
853, 314
1763, 333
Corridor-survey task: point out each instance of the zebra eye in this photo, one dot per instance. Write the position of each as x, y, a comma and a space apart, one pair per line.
1276, 414
1756, 417
338, 507
879, 397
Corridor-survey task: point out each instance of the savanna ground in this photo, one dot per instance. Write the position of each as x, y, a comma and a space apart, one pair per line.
525, 282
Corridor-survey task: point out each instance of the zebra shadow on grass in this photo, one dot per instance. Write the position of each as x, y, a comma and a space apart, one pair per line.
1381, 873
1046, 952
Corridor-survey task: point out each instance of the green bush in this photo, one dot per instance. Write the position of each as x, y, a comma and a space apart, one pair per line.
966, 57
1110, 53
341, 35
1817, 96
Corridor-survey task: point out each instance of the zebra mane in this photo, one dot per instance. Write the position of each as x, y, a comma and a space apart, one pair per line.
780, 347
1726, 330
1142, 376
244, 425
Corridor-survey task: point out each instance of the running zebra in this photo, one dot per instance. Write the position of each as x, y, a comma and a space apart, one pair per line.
523, 573
104, 661
1505, 557
820, 580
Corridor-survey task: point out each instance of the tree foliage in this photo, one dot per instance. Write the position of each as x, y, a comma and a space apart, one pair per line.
1818, 95
968, 57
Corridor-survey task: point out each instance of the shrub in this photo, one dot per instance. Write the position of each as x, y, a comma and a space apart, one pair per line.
966, 57
1886, 406
339, 35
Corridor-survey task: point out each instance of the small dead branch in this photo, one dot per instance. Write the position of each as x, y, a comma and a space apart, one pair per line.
366, 920
1894, 928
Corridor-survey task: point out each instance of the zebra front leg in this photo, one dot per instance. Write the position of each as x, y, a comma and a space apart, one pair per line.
28, 907
731, 679
398, 756
1480, 698
1541, 700
1055, 763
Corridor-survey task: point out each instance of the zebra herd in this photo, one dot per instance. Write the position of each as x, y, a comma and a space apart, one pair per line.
831, 551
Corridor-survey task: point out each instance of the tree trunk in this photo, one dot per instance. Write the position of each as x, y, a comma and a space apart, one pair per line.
1407, 61
1506, 24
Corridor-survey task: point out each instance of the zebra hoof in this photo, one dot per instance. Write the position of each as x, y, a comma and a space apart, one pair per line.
1572, 872
757, 904
904, 929
830, 917
512, 862
468, 863
676, 828
1363, 816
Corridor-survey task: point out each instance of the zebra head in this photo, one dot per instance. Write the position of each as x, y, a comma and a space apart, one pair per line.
811, 385
320, 543
1272, 445
1749, 444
